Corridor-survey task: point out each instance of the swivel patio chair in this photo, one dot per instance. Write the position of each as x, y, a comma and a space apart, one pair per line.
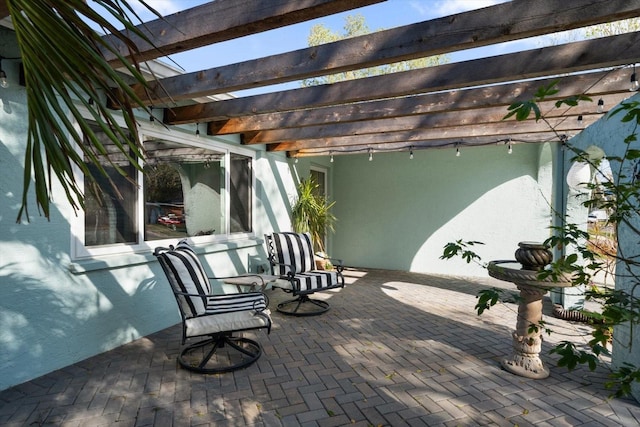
212, 320
292, 259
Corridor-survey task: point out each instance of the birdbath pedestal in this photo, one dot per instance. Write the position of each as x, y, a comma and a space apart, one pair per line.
527, 341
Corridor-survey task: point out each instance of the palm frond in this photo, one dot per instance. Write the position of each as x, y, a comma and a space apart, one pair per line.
64, 67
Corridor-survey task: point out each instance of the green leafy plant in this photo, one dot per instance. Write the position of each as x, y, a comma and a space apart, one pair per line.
618, 307
312, 212
462, 249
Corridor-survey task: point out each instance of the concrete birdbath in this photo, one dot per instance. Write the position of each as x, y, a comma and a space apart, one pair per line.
527, 342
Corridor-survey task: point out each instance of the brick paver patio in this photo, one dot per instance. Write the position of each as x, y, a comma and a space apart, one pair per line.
396, 349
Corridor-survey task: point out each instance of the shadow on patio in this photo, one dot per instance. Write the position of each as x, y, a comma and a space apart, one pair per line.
395, 349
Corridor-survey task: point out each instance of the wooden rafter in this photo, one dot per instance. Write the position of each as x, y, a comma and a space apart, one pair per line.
459, 103
222, 20
503, 22
488, 118
535, 63
497, 130
607, 84
436, 106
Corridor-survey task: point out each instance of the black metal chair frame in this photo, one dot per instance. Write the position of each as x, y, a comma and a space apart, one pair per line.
299, 306
246, 349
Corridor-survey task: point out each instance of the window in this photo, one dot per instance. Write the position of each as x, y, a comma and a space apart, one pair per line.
110, 202
184, 191
319, 176
240, 193
188, 188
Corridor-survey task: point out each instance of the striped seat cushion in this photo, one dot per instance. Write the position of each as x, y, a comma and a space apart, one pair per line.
186, 274
293, 249
315, 280
236, 302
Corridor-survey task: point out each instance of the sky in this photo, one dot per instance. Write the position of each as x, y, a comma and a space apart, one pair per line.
385, 15
389, 14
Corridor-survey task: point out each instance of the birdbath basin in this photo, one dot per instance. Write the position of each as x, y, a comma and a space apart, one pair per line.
527, 341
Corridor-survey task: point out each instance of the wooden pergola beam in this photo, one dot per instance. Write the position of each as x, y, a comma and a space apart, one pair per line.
543, 62
486, 117
601, 84
222, 20
503, 22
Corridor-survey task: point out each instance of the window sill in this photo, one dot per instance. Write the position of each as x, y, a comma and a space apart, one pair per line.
83, 266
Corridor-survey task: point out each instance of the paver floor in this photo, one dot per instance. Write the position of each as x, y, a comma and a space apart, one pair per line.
396, 349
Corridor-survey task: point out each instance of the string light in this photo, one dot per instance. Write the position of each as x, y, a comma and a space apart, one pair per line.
510, 149
370, 155
580, 121
331, 158
197, 130
411, 153
460, 143
600, 105
457, 152
152, 119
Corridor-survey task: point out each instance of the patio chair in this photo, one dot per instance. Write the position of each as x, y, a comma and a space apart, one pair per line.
292, 259
212, 320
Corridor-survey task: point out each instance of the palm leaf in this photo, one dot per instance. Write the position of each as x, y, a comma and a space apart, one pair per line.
64, 67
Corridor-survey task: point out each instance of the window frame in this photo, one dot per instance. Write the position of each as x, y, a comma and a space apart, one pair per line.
149, 131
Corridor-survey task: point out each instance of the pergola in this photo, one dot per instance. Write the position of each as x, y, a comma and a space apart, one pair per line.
449, 105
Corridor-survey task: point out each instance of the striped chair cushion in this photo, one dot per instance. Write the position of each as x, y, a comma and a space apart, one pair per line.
293, 249
236, 302
187, 275
314, 280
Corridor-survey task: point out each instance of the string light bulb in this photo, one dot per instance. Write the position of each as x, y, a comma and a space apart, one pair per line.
634, 81
580, 120
510, 149
370, 155
411, 153
152, 119
197, 130
330, 156
600, 108
457, 152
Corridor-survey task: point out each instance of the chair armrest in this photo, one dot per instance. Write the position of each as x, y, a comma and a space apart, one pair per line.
253, 281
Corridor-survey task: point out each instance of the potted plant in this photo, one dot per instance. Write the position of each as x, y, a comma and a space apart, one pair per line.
312, 212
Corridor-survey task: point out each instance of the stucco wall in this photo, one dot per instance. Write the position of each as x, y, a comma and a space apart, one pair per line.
609, 134
398, 213
52, 317
55, 311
